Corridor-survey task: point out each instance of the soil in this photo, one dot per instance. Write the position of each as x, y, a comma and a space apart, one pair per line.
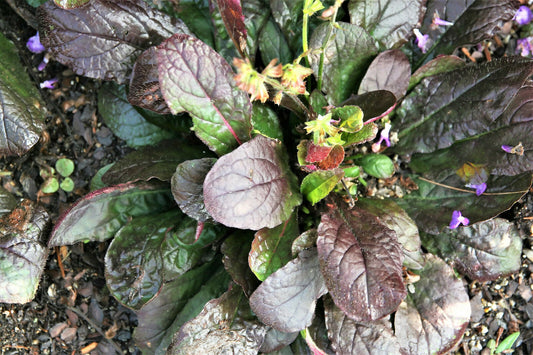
73, 313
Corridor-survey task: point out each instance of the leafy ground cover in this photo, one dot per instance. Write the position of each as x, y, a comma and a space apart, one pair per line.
252, 166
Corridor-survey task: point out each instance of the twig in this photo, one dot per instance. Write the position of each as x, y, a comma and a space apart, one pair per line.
469, 191
60, 262
97, 328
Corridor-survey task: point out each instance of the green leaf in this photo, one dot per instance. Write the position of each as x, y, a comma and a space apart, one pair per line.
198, 80
196, 15
377, 165
67, 184
351, 118
271, 248
265, 121
70, 4
388, 21
273, 44
23, 252
319, 184
366, 134
65, 167
124, 120
50, 185
235, 250
96, 181
347, 54
100, 214
288, 16
507, 343
7, 201
461, 104
483, 251
21, 116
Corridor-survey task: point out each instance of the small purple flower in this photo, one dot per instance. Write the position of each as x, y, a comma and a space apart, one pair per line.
437, 21
524, 46
518, 149
523, 15
43, 64
49, 84
480, 188
34, 44
507, 148
384, 136
421, 40
458, 219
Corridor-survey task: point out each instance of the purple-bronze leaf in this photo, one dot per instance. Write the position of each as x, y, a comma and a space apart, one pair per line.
271, 248
286, 299
391, 71
225, 326
235, 250
483, 251
441, 64
463, 103
100, 214
433, 318
196, 79
233, 18
22, 252
362, 338
252, 187
187, 187
145, 90
361, 260
102, 39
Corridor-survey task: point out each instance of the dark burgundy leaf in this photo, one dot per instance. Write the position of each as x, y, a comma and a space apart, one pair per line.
460, 104
316, 153
374, 103
187, 187
196, 79
21, 108
286, 299
441, 64
102, 39
394, 217
225, 325
473, 21
145, 90
391, 71
23, 253
361, 260
235, 250
436, 314
362, 338
151, 162
484, 251
333, 160
100, 214
252, 187
156, 318
233, 18
271, 247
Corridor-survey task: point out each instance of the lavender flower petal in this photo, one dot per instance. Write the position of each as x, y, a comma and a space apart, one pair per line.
34, 44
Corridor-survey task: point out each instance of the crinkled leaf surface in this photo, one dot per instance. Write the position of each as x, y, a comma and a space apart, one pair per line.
265, 121
125, 121
276, 340
361, 260
473, 21
231, 12
346, 57
256, 17
441, 64
388, 21
144, 90
483, 251
102, 39
459, 104
196, 79
101, 213
366, 338
394, 217
23, 253
431, 206
391, 71
187, 187
225, 325
318, 184
21, 116
252, 187
271, 247
273, 44
433, 318
288, 16
235, 251
156, 318
7, 201
152, 162
512, 127
286, 299
151, 250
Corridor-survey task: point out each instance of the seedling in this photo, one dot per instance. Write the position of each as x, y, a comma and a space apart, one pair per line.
63, 169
